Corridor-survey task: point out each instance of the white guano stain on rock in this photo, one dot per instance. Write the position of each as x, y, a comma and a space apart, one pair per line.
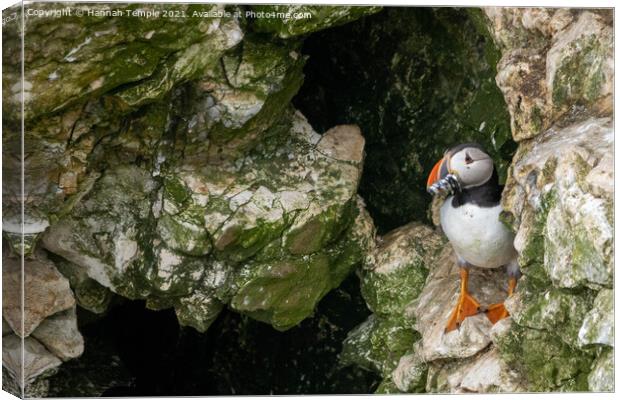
126, 249
70, 56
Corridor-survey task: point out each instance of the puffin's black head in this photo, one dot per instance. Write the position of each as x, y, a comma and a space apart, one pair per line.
469, 162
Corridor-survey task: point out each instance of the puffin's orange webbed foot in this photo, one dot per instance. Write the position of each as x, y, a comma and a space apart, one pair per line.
465, 307
496, 312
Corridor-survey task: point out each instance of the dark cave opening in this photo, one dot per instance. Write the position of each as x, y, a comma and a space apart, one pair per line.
236, 356
417, 81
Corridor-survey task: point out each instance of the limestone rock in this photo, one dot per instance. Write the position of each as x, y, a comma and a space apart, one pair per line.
580, 66
60, 335
198, 310
90, 49
555, 62
395, 272
240, 99
46, 292
37, 360
282, 292
598, 325
601, 379
555, 76
483, 373
392, 278
435, 303
89, 294
77, 92
301, 19
543, 360
548, 177
269, 235
378, 344
551, 310
410, 374
102, 234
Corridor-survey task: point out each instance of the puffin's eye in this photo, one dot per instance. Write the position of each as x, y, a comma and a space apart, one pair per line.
468, 159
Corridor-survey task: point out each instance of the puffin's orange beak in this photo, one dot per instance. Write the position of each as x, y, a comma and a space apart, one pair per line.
434, 175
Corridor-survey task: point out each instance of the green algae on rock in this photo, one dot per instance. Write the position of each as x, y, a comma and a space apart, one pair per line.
558, 195
598, 324
233, 234
558, 201
292, 20
545, 360
555, 63
82, 81
247, 94
164, 162
392, 277
601, 378
89, 294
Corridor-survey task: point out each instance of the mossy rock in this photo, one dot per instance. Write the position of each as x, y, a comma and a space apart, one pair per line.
395, 273
195, 236
392, 277
545, 360
378, 344
284, 291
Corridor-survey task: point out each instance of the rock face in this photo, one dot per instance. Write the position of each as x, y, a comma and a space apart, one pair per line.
411, 283
553, 62
250, 235
392, 278
184, 177
49, 336
164, 162
555, 74
463, 360
81, 82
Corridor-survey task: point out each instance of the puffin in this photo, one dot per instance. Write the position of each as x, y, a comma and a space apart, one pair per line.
469, 218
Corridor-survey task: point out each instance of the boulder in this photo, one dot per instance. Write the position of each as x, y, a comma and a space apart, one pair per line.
59, 334
554, 63
555, 74
392, 278
46, 292
269, 235
38, 362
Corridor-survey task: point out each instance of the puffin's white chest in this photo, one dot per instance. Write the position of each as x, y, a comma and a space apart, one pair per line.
477, 234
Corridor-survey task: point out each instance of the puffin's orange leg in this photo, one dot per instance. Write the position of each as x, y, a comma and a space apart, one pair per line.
497, 311
466, 305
